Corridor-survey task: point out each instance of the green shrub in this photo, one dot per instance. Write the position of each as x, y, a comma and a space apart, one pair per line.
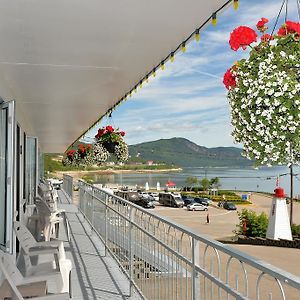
296, 230
256, 225
88, 178
226, 193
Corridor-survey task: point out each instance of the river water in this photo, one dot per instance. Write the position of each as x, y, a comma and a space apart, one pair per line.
246, 179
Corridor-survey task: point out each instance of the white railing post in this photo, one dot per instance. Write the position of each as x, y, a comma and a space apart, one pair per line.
195, 262
131, 249
106, 222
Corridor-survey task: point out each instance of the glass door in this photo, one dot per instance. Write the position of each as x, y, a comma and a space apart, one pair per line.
7, 154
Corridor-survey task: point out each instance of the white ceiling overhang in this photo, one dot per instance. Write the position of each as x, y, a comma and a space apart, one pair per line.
67, 62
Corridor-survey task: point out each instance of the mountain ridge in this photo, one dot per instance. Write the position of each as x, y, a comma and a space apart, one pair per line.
185, 153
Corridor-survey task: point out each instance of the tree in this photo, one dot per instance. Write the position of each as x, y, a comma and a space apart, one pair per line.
215, 183
191, 181
205, 183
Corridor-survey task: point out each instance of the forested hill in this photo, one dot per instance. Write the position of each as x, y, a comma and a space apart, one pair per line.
184, 153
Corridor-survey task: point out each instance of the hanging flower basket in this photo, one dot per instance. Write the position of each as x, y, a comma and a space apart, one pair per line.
112, 140
100, 153
108, 140
263, 92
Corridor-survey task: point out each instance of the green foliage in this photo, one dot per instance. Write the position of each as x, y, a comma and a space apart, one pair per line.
205, 183
226, 193
88, 178
215, 183
52, 163
296, 230
182, 152
191, 181
256, 225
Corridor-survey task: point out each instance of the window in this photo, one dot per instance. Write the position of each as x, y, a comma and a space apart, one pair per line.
3, 173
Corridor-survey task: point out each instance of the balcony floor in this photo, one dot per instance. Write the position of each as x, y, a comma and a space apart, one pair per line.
94, 275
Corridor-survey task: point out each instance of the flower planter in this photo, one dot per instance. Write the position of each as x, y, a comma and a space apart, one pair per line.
110, 146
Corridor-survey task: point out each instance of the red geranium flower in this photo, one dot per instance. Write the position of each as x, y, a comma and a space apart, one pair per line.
288, 28
229, 80
267, 37
261, 24
109, 128
122, 133
100, 133
242, 36
70, 154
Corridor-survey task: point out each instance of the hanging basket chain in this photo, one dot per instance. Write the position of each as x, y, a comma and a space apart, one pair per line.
278, 16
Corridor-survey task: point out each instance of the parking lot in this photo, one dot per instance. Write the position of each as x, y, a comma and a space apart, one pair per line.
223, 222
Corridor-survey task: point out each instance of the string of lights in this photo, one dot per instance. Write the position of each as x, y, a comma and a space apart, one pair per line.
170, 57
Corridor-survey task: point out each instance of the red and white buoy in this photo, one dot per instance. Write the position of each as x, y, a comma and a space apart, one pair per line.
279, 221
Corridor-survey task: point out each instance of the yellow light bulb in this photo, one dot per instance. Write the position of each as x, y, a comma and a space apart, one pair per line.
214, 19
235, 4
162, 66
130, 94
172, 57
154, 73
147, 79
135, 89
141, 84
183, 47
197, 36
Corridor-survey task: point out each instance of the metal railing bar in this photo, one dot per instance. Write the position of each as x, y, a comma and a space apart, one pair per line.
151, 232
115, 257
281, 275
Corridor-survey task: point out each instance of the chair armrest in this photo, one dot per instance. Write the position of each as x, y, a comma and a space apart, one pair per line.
63, 296
40, 250
53, 243
58, 211
31, 205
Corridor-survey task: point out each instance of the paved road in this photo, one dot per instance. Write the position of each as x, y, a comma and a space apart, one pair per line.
222, 223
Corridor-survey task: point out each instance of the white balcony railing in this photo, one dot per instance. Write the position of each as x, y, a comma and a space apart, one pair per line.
168, 261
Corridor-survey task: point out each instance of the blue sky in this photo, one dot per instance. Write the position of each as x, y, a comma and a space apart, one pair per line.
188, 98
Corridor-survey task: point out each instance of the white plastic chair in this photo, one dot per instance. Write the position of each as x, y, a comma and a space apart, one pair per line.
48, 218
31, 247
15, 278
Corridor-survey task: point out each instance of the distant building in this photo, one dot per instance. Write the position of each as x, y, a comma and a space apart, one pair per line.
149, 162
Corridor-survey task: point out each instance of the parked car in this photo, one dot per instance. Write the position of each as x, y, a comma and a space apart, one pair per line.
144, 195
188, 200
155, 196
203, 201
229, 206
196, 206
146, 203
171, 199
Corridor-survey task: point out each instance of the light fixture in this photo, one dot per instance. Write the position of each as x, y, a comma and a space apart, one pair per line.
147, 78
197, 35
214, 19
110, 114
162, 65
172, 57
141, 84
135, 89
183, 47
235, 4
154, 73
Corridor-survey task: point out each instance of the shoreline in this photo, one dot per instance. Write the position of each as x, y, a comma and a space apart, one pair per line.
78, 174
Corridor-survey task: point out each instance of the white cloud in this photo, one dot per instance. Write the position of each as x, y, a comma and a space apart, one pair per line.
188, 99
